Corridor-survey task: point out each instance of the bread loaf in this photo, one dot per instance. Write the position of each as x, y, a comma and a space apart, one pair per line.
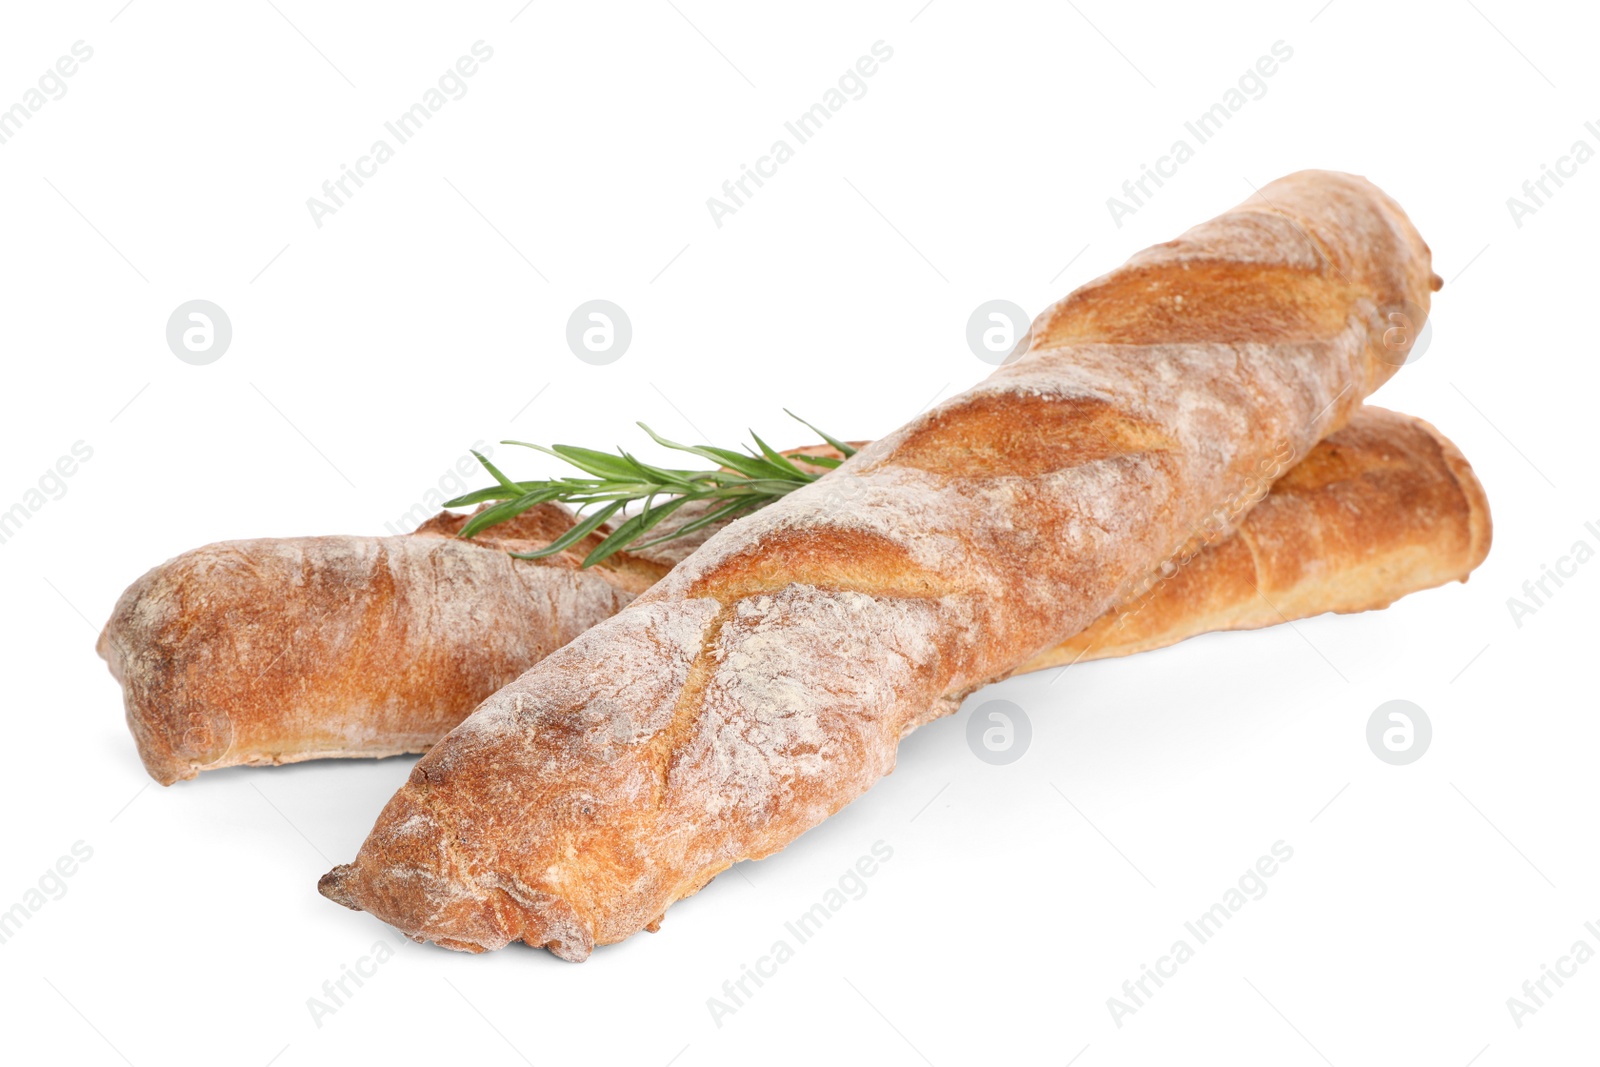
765, 683
278, 650
274, 651
227, 659
1384, 507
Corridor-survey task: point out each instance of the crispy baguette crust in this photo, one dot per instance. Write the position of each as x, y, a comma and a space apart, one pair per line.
765, 683
1382, 508
279, 650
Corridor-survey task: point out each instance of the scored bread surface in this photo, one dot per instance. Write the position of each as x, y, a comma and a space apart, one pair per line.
231, 656
276, 650
766, 681
1383, 507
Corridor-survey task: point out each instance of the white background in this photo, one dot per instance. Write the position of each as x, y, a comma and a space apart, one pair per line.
429, 313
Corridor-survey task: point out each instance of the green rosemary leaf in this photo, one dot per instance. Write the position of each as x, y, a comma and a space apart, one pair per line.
779, 460
660, 475
632, 528
509, 509
602, 465
493, 492
772, 487
739, 483
714, 515
599, 464
505, 482
843, 448
748, 466
574, 535
820, 461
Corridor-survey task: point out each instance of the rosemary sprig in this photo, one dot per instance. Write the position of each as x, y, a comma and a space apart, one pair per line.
740, 482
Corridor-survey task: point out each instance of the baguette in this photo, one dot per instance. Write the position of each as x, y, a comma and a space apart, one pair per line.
278, 650
275, 651
766, 681
1386, 506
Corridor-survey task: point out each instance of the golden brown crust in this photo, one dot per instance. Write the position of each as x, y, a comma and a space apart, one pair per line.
765, 683
1377, 516
279, 650
1381, 508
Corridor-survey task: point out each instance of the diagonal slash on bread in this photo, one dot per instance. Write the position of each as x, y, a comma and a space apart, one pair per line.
278, 650
767, 680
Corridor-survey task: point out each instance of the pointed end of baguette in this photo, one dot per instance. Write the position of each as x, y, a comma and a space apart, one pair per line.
332, 886
412, 874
